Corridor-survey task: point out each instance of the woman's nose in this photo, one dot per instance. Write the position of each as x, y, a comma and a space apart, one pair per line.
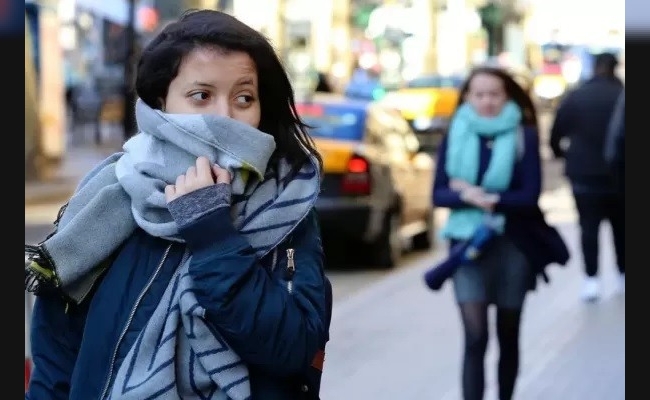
221, 107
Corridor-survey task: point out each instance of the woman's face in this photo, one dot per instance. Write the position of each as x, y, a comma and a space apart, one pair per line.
213, 81
487, 94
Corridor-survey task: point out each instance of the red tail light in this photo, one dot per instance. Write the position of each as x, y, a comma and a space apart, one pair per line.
356, 180
357, 165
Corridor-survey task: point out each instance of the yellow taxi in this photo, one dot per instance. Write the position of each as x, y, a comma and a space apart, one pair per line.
377, 185
427, 103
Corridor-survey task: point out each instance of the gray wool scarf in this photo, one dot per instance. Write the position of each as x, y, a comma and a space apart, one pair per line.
126, 191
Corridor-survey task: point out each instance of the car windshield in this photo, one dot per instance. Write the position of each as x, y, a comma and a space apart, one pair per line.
435, 81
334, 121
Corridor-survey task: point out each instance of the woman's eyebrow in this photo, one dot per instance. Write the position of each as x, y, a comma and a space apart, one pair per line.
246, 81
198, 83
242, 82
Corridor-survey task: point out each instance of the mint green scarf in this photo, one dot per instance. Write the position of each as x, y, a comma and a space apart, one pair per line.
463, 158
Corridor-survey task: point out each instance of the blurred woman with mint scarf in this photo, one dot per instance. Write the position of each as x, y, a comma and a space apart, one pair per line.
489, 163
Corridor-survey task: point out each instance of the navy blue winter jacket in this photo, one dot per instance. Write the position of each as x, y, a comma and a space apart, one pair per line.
77, 351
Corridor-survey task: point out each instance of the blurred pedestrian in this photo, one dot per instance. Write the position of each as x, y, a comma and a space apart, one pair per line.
190, 265
582, 120
489, 163
323, 85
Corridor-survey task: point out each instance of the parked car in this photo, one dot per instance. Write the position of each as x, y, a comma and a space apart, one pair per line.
427, 103
364, 85
376, 189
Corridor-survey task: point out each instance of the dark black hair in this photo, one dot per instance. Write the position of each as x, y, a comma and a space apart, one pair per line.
514, 91
162, 57
605, 63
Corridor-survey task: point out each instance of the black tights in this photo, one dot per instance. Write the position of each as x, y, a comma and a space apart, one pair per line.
475, 322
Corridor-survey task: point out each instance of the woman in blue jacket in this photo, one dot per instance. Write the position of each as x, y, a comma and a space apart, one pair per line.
489, 163
190, 265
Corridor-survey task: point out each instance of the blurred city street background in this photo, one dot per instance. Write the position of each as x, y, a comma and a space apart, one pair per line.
391, 337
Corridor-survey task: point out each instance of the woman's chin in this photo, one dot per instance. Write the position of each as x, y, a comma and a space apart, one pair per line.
488, 114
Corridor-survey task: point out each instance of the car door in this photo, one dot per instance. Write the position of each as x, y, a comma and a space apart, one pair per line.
447, 99
422, 174
419, 166
396, 153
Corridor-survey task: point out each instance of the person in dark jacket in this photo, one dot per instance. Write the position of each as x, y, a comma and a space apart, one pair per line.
323, 85
190, 265
489, 162
582, 120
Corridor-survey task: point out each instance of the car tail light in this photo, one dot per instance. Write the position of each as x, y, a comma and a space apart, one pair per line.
356, 180
28, 371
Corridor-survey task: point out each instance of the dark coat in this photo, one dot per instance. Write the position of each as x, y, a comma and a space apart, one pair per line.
76, 351
583, 118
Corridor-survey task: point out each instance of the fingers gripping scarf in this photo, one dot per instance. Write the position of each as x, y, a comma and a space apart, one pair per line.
127, 191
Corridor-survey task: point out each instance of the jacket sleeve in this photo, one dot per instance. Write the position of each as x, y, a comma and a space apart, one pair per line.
527, 194
614, 141
561, 125
443, 195
55, 338
265, 324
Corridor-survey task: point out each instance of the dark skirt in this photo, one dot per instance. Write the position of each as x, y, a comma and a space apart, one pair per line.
501, 277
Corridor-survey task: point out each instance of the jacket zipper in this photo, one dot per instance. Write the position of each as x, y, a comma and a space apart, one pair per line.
290, 270
130, 320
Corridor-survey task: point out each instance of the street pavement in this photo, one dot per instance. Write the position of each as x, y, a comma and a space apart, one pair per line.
59, 181
399, 340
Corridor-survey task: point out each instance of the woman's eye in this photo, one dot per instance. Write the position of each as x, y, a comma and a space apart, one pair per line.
244, 99
200, 96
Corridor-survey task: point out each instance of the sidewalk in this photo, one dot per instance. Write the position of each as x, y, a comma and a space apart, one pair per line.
399, 340
63, 179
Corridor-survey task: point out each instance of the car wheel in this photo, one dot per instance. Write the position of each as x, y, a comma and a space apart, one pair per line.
425, 240
387, 250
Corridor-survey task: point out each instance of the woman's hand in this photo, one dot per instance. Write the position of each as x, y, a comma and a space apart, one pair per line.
474, 195
197, 177
459, 185
479, 198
